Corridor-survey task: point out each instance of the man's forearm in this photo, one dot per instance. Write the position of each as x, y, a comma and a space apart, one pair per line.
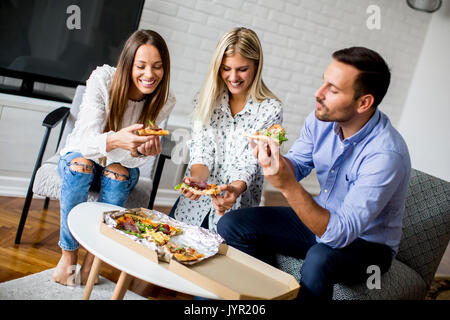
312, 215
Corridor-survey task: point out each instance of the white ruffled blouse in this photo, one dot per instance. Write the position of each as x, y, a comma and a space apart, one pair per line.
88, 137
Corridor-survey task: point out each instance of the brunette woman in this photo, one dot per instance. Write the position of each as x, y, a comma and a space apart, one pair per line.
102, 152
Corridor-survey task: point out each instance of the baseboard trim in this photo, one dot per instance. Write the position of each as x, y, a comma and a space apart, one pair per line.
14, 186
18, 187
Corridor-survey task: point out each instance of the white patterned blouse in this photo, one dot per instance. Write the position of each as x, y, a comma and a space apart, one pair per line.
223, 149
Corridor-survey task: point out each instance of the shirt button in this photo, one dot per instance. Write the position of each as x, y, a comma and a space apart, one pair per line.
342, 147
332, 171
326, 190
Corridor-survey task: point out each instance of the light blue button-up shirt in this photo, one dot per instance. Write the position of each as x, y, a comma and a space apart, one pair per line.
363, 179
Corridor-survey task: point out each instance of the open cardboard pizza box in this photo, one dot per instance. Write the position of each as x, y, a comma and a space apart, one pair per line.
128, 242
233, 274
230, 274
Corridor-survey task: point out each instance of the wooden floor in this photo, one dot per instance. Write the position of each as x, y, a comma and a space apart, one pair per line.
39, 250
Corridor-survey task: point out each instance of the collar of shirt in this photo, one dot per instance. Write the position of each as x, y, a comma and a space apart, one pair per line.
250, 107
362, 133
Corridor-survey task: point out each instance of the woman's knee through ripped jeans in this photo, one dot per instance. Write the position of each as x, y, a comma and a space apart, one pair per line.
79, 176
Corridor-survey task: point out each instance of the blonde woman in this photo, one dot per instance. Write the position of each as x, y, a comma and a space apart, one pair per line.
102, 152
233, 100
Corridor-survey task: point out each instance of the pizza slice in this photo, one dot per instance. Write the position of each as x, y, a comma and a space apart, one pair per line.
183, 253
198, 188
276, 132
159, 237
152, 130
143, 227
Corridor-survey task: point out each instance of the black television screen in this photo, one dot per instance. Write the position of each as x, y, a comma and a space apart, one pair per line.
62, 41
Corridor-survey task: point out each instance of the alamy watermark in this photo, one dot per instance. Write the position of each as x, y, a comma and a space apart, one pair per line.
373, 21
374, 280
74, 19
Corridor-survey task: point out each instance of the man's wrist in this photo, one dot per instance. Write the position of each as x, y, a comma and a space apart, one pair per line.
289, 188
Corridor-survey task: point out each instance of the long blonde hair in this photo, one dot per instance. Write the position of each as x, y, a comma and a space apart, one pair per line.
122, 80
238, 40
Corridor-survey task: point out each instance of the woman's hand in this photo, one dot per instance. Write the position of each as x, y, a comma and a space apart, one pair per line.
151, 147
188, 194
126, 139
232, 192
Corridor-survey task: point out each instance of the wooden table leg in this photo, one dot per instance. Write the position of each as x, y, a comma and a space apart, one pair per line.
93, 274
121, 286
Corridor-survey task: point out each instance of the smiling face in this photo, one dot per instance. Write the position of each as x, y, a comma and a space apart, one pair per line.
147, 72
335, 98
238, 73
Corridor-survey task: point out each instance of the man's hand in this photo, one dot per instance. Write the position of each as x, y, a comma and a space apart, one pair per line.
279, 171
232, 192
275, 167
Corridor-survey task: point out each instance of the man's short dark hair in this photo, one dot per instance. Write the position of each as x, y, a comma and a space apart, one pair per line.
374, 75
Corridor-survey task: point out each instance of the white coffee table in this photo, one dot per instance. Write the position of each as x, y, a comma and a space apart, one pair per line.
84, 224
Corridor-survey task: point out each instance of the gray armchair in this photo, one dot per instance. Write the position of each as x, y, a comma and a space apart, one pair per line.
45, 180
425, 236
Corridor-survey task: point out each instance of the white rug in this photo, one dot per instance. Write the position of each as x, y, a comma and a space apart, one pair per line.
40, 286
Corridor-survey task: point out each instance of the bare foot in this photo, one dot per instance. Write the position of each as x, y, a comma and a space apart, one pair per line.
86, 268
65, 270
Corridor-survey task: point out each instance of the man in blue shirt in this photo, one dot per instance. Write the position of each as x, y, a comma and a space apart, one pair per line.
363, 167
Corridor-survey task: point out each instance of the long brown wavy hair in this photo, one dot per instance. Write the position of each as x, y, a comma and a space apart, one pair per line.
122, 81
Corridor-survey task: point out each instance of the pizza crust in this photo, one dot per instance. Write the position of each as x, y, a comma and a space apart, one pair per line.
213, 191
150, 132
257, 137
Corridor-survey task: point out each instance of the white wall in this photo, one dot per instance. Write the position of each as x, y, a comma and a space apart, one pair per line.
425, 119
298, 37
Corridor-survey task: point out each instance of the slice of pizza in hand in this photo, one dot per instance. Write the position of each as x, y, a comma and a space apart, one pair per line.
276, 132
198, 188
152, 130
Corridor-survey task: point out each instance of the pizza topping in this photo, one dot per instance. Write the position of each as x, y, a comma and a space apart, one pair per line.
157, 236
201, 185
183, 253
152, 126
151, 129
143, 227
276, 132
127, 224
200, 188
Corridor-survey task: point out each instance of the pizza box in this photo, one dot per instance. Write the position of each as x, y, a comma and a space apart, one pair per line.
128, 242
230, 274
235, 275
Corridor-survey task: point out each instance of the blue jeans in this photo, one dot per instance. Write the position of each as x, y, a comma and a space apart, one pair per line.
76, 185
264, 231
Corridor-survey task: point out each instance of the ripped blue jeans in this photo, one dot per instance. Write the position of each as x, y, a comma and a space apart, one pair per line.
76, 185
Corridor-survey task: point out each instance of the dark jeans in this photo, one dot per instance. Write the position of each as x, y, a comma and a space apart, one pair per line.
264, 231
